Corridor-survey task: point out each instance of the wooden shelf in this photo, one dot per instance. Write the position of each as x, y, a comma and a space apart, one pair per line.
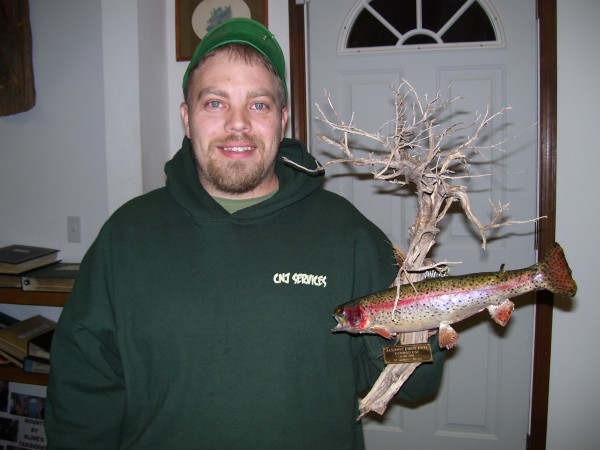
20, 297
11, 372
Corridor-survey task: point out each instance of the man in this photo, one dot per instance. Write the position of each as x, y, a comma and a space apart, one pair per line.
202, 315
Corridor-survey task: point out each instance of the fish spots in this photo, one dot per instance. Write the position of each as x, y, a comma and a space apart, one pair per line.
501, 313
556, 273
354, 317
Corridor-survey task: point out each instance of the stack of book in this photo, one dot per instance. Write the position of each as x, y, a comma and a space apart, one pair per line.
27, 343
16, 259
35, 269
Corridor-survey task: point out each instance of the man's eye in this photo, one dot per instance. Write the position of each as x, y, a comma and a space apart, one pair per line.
260, 106
213, 104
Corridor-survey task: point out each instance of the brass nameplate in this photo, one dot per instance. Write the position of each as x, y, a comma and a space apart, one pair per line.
409, 353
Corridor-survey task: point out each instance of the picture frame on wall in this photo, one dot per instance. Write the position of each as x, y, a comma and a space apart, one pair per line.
194, 18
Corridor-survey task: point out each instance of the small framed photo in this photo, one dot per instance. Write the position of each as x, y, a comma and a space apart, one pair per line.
195, 18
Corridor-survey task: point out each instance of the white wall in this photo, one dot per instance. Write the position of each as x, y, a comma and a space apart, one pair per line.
573, 420
107, 118
52, 158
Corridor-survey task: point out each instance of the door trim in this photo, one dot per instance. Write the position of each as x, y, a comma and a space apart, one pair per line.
545, 231
298, 87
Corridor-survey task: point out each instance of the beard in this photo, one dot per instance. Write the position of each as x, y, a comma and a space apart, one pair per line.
236, 177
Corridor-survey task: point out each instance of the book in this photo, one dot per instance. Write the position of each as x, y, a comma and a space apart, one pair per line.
36, 365
14, 339
6, 358
57, 277
6, 320
13, 281
16, 259
39, 346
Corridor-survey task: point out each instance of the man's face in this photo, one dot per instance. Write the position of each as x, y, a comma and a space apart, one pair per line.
235, 126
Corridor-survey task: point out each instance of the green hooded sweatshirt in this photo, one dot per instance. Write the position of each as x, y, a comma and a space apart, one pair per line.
192, 328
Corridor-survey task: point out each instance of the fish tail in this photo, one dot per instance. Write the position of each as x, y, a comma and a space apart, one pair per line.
556, 273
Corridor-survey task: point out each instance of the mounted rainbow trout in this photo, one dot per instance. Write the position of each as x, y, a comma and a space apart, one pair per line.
437, 303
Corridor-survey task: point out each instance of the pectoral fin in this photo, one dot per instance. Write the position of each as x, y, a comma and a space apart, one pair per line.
448, 336
501, 313
381, 332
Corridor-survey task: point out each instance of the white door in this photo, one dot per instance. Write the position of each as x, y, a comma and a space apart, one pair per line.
485, 397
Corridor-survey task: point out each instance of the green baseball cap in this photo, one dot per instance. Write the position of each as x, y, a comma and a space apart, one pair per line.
245, 31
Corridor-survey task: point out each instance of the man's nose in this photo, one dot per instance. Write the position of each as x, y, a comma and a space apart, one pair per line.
237, 120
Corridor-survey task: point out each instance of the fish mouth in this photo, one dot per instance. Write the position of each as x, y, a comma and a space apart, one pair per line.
342, 324
339, 327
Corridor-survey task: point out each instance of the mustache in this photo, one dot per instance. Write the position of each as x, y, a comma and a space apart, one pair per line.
237, 137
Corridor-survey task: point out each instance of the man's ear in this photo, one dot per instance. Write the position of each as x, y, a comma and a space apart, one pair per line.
185, 118
284, 119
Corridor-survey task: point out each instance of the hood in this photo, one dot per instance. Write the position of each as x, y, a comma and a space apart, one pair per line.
295, 183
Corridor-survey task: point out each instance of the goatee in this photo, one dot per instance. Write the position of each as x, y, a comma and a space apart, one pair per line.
235, 177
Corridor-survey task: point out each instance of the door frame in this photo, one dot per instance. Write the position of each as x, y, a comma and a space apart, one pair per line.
545, 230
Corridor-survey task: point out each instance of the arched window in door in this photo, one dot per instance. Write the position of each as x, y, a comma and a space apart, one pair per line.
380, 25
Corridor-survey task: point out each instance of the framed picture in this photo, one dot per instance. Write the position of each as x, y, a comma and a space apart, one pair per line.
195, 18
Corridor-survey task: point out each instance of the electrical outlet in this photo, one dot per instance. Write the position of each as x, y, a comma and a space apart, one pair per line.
74, 229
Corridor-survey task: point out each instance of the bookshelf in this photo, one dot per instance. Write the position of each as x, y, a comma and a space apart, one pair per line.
17, 296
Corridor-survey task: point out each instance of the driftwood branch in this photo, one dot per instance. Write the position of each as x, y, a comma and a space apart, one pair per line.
416, 154
419, 152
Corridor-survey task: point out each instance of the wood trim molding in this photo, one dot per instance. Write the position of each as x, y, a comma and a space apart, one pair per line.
297, 99
546, 231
